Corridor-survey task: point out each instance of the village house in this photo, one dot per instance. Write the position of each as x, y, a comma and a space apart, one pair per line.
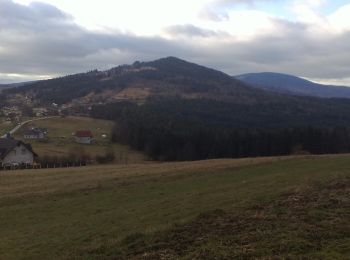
39, 112
15, 152
83, 137
35, 133
11, 111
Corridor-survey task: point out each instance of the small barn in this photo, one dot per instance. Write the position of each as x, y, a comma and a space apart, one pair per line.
15, 152
84, 137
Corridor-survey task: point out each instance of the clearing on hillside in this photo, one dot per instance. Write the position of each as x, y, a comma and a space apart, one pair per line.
290, 207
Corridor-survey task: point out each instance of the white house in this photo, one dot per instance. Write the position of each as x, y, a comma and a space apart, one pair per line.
14, 152
83, 137
34, 134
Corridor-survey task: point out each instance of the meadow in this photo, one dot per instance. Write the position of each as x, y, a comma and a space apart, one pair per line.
215, 209
5, 126
60, 141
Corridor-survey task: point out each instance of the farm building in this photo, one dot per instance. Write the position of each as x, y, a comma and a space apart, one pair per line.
14, 152
35, 133
83, 137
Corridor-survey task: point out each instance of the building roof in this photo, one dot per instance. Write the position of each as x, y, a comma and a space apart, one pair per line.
44, 130
83, 133
33, 132
8, 144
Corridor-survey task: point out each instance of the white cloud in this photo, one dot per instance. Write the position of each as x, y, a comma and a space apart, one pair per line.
250, 23
139, 17
335, 82
15, 78
340, 19
307, 11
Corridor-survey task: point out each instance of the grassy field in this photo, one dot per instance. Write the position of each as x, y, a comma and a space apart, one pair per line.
247, 208
60, 142
5, 126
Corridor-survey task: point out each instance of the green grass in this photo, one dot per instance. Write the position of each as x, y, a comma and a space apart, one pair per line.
60, 142
99, 211
5, 126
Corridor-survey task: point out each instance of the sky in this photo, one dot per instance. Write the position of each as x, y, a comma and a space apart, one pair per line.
49, 38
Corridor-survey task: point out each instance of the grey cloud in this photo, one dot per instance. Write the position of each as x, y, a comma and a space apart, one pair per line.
291, 49
41, 40
32, 16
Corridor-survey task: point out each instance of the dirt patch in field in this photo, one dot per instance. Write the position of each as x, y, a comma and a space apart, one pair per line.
134, 93
312, 223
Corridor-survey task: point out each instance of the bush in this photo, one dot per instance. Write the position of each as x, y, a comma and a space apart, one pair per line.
69, 161
108, 157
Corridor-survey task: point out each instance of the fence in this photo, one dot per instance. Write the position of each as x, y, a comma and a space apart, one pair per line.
50, 165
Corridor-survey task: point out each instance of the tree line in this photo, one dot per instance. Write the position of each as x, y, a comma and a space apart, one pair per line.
173, 130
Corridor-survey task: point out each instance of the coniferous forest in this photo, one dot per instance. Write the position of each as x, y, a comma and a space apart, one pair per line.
177, 129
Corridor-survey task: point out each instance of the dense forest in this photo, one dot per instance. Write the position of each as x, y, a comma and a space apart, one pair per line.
64, 89
177, 129
2, 100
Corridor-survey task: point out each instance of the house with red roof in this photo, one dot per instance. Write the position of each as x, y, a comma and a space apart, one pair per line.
84, 137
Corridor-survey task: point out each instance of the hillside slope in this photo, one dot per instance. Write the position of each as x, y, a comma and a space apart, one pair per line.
289, 84
205, 89
167, 76
117, 212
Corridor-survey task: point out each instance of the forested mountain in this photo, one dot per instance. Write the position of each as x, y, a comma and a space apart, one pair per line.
289, 84
175, 110
167, 76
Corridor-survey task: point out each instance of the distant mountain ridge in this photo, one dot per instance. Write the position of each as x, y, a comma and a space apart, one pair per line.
288, 84
4, 86
14, 85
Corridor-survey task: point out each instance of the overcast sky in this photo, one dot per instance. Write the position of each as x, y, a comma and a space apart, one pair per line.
48, 38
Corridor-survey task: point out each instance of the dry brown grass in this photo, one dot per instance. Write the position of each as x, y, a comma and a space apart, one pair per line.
63, 180
84, 213
137, 92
